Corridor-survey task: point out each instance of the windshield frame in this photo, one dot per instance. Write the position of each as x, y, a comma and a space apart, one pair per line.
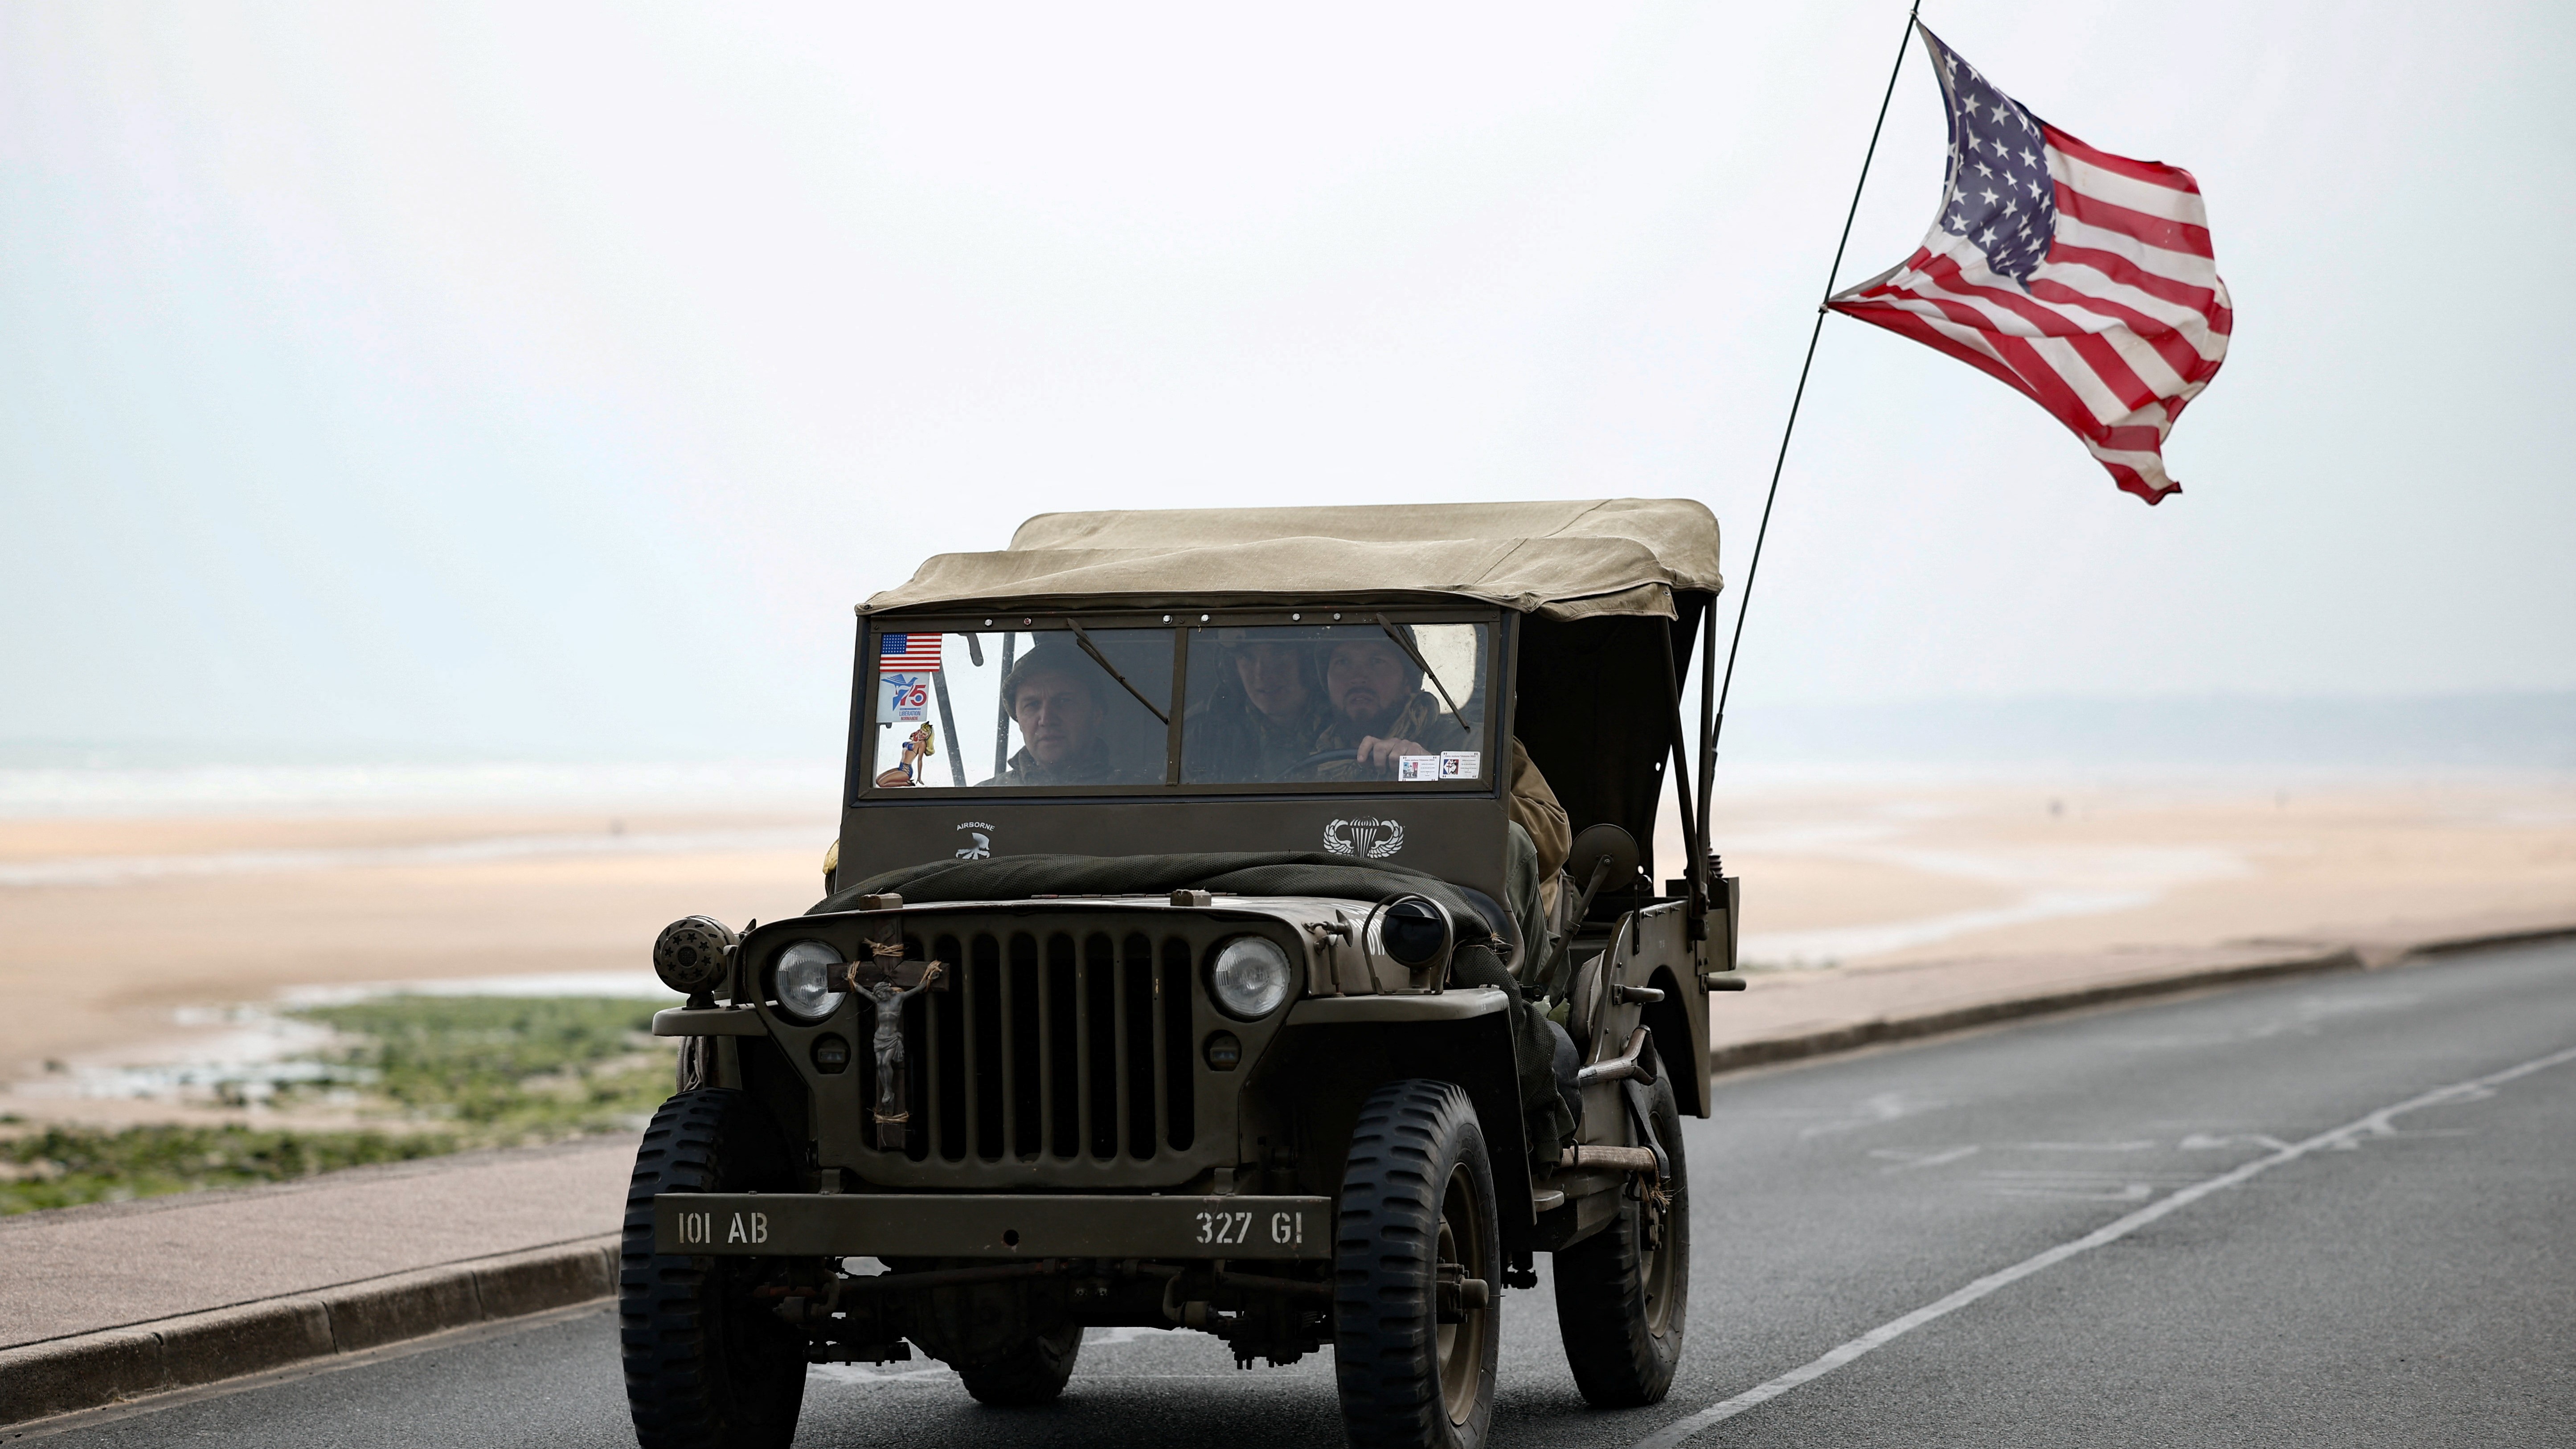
859, 785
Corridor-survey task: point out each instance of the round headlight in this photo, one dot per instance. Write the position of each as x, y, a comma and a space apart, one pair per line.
1414, 930
802, 980
1249, 977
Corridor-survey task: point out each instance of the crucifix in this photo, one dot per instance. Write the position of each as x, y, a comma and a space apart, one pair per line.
888, 980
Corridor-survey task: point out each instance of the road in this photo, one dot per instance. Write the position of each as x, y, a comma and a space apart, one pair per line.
2190, 1222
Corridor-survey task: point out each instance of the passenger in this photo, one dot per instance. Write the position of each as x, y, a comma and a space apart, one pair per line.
1541, 837
1060, 701
1263, 716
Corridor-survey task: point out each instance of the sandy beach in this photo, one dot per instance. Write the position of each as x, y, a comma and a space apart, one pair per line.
127, 940
1877, 871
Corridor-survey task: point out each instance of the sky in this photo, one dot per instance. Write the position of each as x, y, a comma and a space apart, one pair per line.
552, 379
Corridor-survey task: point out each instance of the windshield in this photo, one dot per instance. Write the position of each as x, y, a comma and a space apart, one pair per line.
1276, 706
1335, 702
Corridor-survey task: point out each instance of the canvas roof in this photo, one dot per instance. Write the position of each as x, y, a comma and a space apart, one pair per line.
1567, 560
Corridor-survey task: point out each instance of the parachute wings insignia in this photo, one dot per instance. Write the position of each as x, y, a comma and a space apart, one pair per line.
1373, 839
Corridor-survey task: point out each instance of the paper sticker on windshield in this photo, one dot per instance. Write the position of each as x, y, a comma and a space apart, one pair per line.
1417, 767
1461, 764
908, 697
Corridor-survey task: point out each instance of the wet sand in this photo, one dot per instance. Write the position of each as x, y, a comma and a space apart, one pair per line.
126, 922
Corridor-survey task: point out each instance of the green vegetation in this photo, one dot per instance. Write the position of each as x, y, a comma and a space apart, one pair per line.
63, 1166
499, 1069
444, 1073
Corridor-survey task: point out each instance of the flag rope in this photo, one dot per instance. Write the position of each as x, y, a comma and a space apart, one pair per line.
1762, 532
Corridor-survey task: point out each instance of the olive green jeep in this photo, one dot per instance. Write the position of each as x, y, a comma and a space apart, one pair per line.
1240, 990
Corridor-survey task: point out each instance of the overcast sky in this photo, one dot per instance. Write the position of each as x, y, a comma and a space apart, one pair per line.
548, 378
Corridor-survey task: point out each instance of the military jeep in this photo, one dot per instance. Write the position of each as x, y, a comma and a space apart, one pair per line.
1225, 994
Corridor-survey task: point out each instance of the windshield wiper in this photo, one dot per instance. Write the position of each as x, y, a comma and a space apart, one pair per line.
1084, 639
1427, 672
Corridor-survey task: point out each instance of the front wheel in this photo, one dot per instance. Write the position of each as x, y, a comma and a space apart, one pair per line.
1417, 1260
1623, 1294
708, 1366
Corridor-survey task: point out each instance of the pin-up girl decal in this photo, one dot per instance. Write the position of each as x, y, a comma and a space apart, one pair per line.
917, 747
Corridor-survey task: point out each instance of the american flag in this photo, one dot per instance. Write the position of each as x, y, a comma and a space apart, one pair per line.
2081, 278
907, 652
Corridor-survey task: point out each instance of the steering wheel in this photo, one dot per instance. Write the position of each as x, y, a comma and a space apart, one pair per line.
1320, 757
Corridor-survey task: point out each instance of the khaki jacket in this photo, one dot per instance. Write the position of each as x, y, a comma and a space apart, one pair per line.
1092, 768
1535, 809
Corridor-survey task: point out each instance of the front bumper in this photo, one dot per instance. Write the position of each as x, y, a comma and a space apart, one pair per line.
992, 1225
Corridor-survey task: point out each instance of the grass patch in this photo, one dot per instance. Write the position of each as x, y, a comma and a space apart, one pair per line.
66, 1166
500, 1069
446, 1073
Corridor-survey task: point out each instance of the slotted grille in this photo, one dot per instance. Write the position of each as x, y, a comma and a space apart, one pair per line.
1051, 1045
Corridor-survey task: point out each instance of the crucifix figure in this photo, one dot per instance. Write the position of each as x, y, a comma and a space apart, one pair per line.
888, 981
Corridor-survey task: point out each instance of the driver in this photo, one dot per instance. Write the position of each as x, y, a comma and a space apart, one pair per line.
1056, 696
1380, 710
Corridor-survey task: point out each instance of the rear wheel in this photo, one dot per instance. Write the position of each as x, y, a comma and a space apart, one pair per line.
1417, 1260
1623, 1294
1031, 1372
707, 1365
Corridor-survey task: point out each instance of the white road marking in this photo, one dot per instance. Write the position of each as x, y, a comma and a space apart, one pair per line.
2199, 1141
1112, 1337
2074, 1192
2083, 1146
1905, 1161
868, 1373
1883, 1107
2344, 1138
936, 1372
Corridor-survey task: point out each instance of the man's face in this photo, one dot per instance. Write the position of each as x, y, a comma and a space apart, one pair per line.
1274, 678
1366, 678
1057, 715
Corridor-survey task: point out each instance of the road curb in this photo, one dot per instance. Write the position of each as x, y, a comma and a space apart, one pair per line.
2444, 946
2354, 957
85, 1371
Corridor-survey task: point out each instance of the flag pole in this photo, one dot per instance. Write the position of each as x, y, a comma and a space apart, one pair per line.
1709, 762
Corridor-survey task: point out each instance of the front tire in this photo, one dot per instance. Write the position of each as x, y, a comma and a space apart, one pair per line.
1623, 1294
1417, 1208
707, 1365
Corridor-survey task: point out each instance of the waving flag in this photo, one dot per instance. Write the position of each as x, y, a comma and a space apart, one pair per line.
2083, 279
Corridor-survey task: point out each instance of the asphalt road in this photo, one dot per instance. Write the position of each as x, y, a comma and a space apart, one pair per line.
2192, 1222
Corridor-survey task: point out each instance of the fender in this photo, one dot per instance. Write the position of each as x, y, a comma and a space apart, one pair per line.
1307, 1089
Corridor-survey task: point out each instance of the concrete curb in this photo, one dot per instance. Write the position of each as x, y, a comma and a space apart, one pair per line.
2358, 957
2448, 944
85, 1371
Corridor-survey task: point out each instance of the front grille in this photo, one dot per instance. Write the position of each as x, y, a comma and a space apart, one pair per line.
1051, 1045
